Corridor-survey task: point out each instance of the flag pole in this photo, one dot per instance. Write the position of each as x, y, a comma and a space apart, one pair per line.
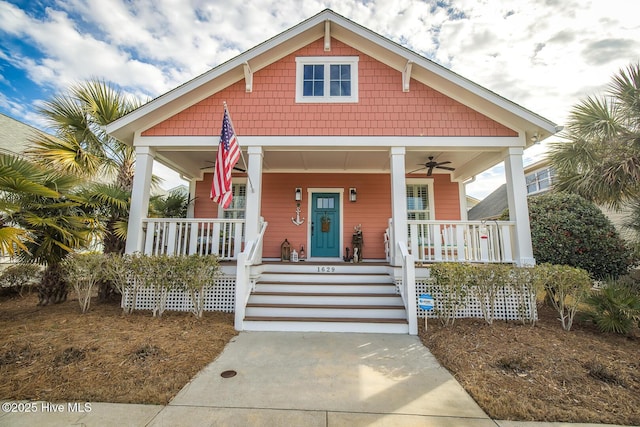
224, 103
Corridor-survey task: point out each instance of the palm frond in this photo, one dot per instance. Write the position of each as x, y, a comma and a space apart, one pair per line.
66, 155
11, 241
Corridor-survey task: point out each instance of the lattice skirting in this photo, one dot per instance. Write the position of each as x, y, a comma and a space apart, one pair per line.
219, 296
510, 304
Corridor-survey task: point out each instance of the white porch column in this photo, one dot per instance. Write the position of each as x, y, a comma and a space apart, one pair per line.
518, 208
254, 193
139, 198
398, 203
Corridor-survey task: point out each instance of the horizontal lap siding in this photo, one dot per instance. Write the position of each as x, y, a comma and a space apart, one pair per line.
383, 108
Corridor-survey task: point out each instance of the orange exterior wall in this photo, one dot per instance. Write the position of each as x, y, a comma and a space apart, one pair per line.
383, 108
372, 209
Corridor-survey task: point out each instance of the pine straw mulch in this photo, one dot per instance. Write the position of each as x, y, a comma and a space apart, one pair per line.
542, 373
55, 353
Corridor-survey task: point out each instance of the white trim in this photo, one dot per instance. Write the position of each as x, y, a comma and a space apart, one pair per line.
462, 191
301, 61
310, 192
450, 143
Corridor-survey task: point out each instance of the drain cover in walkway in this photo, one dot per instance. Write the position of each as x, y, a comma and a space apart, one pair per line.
228, 374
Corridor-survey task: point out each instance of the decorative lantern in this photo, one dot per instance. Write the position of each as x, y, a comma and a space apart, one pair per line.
285, 251
294, 256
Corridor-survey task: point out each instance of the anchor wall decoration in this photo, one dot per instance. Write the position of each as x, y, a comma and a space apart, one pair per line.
297, 220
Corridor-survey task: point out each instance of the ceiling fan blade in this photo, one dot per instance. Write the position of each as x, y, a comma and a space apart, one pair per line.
430, 171
446, 168
444, 163
418, 169
235, 168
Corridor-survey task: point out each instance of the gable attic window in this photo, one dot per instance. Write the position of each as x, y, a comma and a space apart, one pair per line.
327, 79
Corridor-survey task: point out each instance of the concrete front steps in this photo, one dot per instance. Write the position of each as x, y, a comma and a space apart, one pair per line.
326, 298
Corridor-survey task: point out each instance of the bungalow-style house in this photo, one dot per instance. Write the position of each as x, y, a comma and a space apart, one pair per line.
354, 149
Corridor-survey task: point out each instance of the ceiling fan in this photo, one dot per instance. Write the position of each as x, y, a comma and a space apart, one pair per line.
431, 165
235, 168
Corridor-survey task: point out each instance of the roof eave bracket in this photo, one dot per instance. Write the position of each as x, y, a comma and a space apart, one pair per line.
248, 77
327, 35
406, 76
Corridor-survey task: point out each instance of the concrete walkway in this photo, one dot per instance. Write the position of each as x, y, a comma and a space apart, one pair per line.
302, 379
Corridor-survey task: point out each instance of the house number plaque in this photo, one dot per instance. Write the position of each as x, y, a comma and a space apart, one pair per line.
326, 269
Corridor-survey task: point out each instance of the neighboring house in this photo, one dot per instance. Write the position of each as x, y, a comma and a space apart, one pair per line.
14, 139
338, 122
15, 135
539, 177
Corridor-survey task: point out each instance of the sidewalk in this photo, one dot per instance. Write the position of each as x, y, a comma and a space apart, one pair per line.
304, 379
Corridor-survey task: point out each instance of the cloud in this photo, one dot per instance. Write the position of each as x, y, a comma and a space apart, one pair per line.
542, 54
604, 51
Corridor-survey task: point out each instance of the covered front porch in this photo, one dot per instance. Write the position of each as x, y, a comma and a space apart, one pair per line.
410, 218
392, 202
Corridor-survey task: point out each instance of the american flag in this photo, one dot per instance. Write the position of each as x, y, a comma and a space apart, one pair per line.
228, 155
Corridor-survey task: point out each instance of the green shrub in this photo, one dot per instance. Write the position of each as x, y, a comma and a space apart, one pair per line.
569, 230
84, 271
521, 280
163, 274
20, 277
195, 272
566, 287
452, 280
485, 282
614, 308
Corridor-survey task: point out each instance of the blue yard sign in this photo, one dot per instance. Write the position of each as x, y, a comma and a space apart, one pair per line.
425, 302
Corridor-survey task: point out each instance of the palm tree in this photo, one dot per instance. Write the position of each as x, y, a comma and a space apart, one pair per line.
601, 158
173, 205
42, 219
81, 146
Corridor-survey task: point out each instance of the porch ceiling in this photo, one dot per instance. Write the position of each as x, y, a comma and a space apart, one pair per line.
193, 164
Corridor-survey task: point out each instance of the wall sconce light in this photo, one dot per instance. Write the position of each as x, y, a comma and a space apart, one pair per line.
298, 194
352, 194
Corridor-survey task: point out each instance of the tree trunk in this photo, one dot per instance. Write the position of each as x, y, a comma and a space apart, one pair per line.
53, 287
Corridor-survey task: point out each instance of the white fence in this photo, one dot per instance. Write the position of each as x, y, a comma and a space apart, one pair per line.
180, 236
511, 303
219, 296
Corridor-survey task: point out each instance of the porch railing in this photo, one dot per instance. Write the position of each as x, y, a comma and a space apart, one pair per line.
187, 236
462, 241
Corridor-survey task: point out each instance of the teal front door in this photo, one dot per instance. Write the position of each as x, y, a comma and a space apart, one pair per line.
325, 225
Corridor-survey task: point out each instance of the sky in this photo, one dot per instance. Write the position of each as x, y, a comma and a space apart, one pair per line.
545, 55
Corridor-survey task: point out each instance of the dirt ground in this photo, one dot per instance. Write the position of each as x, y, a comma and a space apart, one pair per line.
57, 354
542, 373
513, 371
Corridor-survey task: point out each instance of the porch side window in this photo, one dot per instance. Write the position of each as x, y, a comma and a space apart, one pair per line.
418, 205
326, 79
238, 203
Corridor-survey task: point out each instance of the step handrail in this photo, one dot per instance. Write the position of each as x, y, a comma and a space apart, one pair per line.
408, 288
246, 259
